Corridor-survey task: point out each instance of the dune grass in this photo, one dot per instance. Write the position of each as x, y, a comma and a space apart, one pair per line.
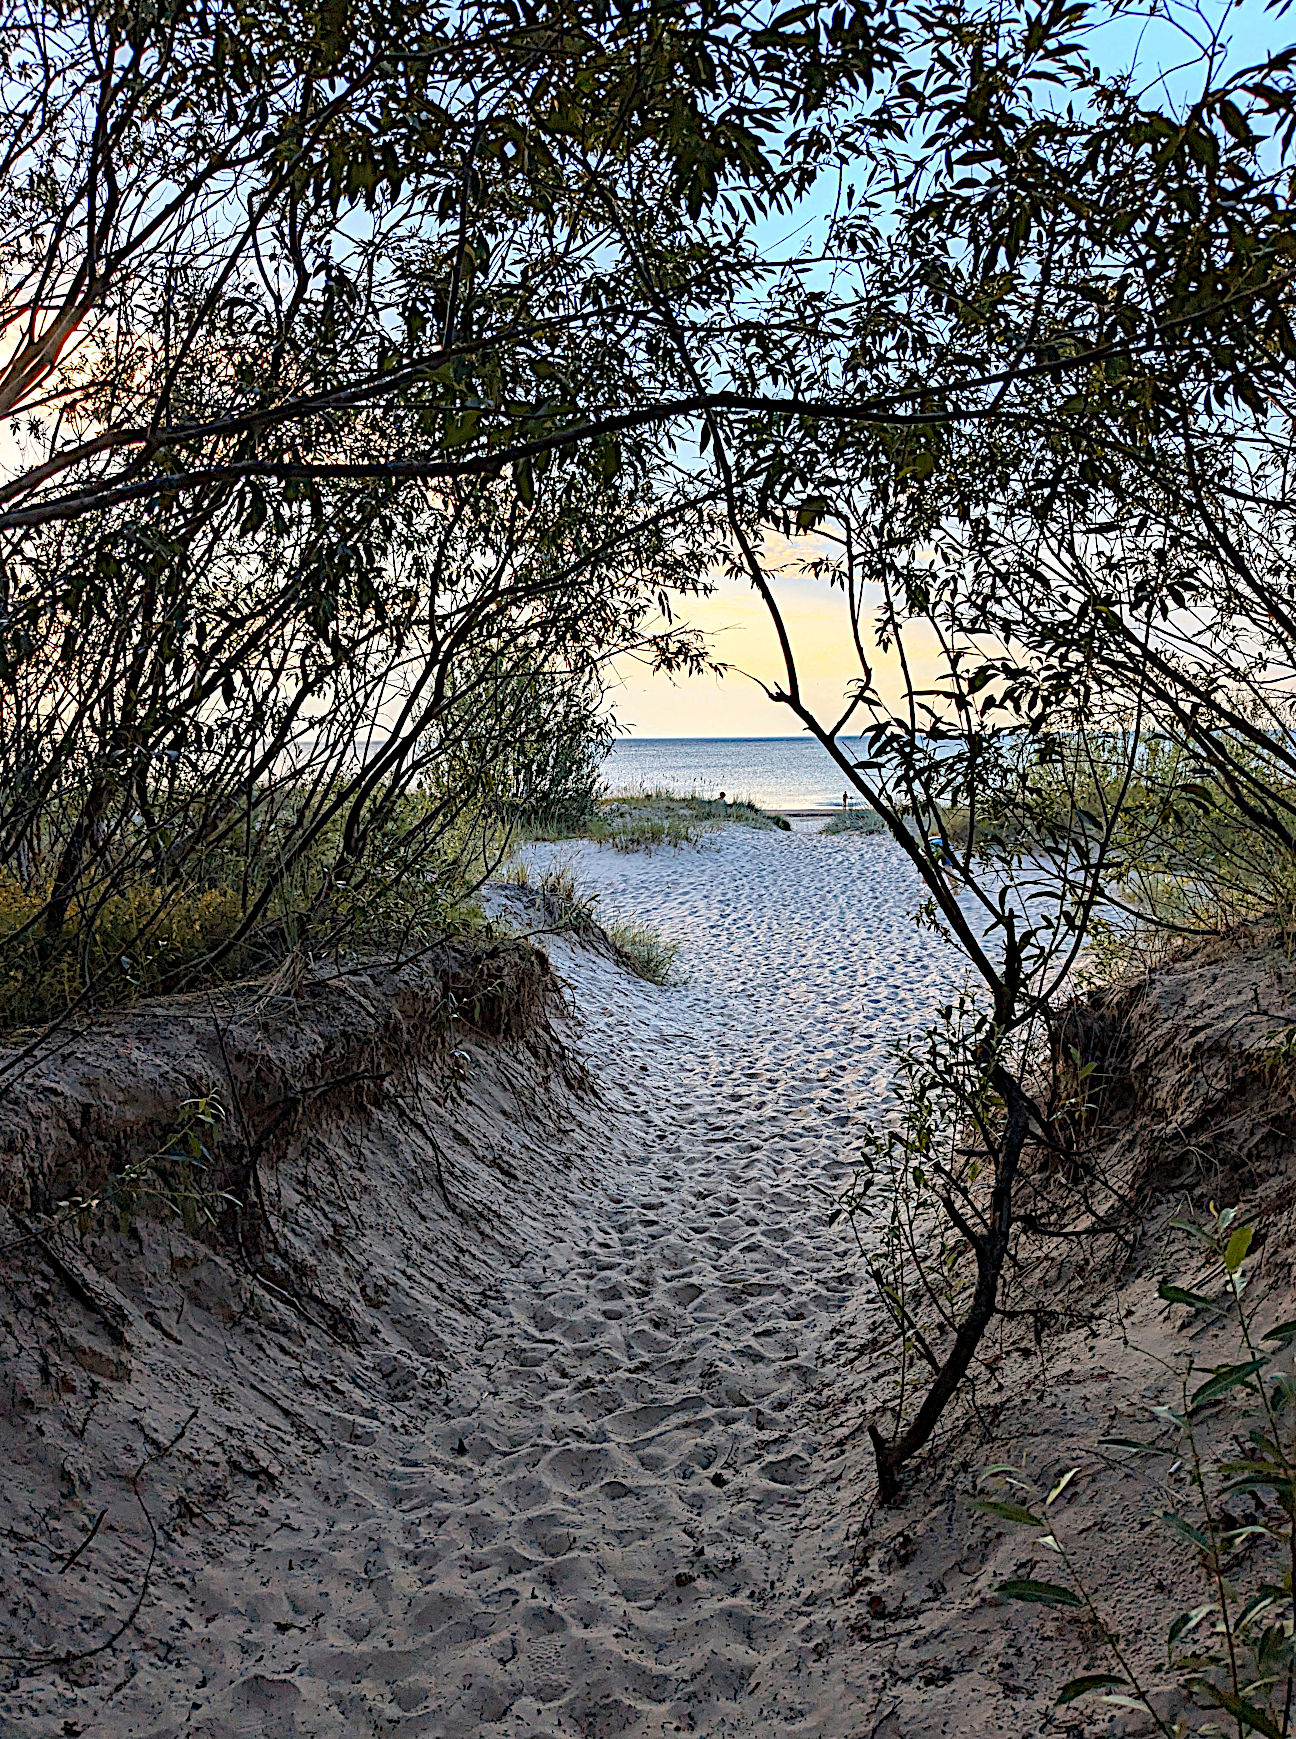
562, 907
644, 821
643, 951
566, 910
855, 821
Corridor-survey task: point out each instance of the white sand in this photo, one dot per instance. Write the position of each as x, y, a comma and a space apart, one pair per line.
578, 1479
677, 1332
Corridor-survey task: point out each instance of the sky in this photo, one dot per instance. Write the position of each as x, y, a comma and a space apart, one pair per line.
740, 634
734, 619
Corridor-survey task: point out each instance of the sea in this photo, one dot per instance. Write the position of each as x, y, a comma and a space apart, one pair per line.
772, 772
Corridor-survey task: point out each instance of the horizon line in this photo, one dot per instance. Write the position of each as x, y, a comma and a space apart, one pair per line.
801, 737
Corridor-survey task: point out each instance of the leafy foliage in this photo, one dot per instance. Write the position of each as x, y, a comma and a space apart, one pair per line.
1234, 1651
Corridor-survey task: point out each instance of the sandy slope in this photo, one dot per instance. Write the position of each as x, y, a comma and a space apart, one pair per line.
567, 1474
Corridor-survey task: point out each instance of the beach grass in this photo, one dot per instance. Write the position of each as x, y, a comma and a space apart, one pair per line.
133, 930
855, 821
646, 820
643, 951
566, 910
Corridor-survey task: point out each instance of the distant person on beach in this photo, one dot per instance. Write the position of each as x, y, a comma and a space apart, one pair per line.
845, 799
723, 798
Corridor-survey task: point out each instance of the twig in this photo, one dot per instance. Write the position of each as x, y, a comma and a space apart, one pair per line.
37, 1662
68, 1562
110, 1314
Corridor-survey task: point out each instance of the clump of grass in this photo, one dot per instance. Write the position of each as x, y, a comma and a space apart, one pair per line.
855, 821
137, 929
565, 910
643, 951
562, 907
644, 832
646, 820
705, 810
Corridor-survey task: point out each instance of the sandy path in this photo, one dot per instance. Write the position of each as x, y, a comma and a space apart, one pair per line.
578, 1476
636, 1432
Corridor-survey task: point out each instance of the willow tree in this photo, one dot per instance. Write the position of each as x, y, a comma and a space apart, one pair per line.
336, 465
1070, 526
1033, 402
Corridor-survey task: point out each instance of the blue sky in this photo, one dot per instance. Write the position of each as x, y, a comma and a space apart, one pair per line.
656, 706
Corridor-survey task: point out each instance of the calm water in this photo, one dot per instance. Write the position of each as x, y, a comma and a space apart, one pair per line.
775, 772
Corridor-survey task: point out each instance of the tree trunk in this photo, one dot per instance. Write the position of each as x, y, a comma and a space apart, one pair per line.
991, 1250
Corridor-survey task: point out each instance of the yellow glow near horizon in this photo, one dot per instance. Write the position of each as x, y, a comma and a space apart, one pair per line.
740, 634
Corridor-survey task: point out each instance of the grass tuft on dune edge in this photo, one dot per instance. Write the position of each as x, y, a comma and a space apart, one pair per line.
642, 951
566, 910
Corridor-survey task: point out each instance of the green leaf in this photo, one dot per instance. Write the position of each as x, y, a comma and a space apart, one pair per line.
1235, 122
1179, 1526
459, 430
1009, 1512
1177, 1295
1263, 1479
1199, 1232
1285, 1332
1240, 1709
1088, 1682
810, 513
609, 454
1186, 1621
524, 481
1227, 1377
1040, 1593
1238, 1245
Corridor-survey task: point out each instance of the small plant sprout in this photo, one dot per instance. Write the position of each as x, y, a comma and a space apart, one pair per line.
171, 1177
